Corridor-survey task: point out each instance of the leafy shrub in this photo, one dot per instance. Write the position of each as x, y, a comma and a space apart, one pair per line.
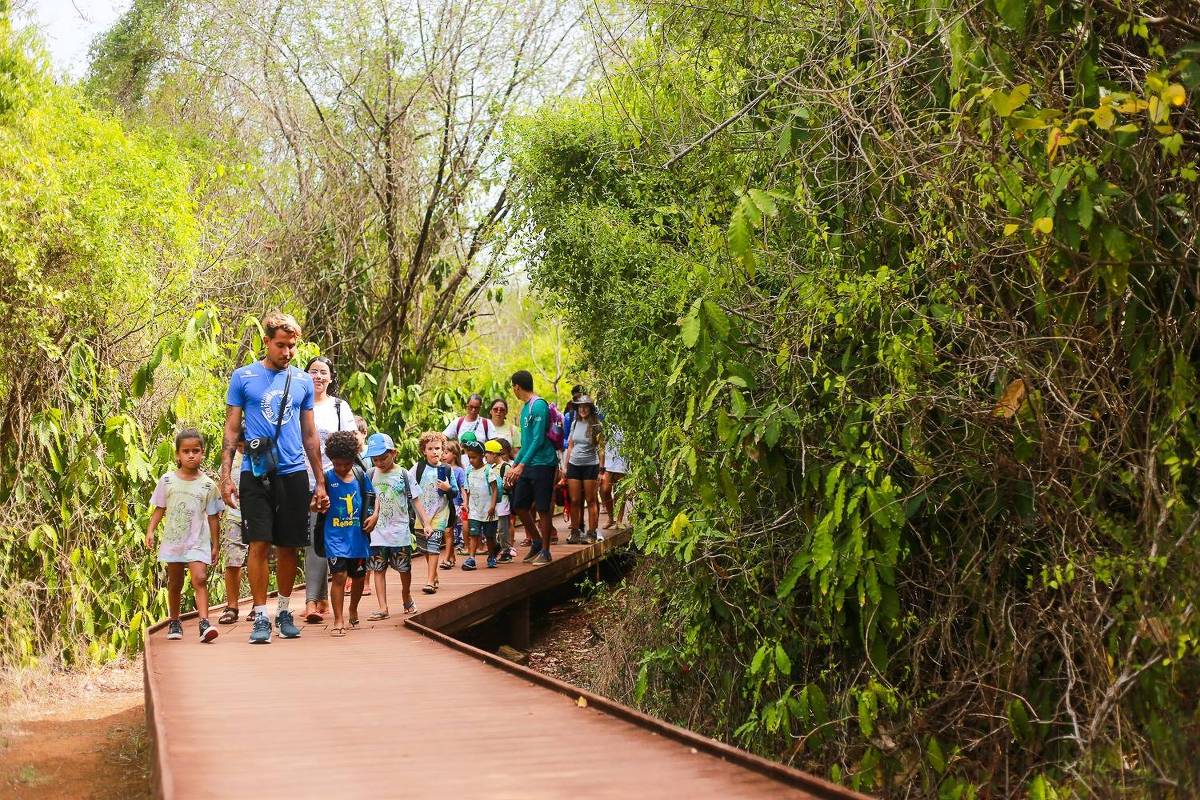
905, 353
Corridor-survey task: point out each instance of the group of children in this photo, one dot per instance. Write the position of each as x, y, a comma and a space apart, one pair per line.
380, 516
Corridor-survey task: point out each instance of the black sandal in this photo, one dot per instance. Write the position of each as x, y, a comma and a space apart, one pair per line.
228, 616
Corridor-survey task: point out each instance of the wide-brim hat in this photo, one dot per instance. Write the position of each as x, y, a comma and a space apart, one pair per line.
585, 400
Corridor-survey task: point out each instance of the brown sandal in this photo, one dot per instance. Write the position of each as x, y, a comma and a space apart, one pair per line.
228, 616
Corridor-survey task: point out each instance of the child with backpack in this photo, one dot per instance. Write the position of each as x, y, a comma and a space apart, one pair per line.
398, 502
498, 452
481, 499
452, 457
190, 503
434, 482
346, 525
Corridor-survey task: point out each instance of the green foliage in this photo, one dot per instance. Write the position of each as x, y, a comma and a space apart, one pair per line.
906, 365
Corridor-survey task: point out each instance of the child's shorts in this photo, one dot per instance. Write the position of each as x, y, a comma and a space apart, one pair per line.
353, 567
398, 558
486, 530
231, 543
430, 544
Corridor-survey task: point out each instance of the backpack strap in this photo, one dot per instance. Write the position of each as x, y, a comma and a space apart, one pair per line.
337, 407
458, 428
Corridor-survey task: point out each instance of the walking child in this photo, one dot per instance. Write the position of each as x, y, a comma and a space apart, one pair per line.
434, 481
481, 498
398, 501
452, 457
498, 452
347, 524
188, 504
233, 548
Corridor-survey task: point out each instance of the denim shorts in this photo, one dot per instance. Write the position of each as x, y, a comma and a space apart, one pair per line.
431, 544
398, 558
486, 530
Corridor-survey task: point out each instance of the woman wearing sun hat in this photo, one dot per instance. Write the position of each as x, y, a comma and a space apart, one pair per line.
584, 460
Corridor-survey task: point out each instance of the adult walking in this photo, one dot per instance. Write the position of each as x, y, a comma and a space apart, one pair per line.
275, 403
501, 427
330, 414
585, 459
615, 469
531, 478
470, 422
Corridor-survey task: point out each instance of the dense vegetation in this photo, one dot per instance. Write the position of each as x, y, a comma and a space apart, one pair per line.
141, 237
896, 302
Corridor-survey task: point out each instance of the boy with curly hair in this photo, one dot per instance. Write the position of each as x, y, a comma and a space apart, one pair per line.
348, 522
434, 481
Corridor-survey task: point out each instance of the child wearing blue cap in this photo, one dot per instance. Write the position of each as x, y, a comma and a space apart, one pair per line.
398, 499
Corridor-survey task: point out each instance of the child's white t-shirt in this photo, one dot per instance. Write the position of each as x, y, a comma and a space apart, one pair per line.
480, 499
498, 472
184, 528
392, 492
433, 500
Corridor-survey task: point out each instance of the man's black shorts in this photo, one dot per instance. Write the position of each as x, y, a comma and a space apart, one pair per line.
534, 488
278, 516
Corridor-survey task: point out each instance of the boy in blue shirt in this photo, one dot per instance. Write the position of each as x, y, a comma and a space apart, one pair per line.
347, 525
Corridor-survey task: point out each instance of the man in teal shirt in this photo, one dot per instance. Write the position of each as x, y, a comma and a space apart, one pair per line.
531, 478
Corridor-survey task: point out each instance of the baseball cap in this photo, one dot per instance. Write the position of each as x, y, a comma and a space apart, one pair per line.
378, 444
492, 446
468, 436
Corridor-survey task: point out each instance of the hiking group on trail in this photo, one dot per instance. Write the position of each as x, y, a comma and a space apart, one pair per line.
294, 477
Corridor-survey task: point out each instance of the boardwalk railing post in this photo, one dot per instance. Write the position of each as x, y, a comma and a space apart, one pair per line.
518, 624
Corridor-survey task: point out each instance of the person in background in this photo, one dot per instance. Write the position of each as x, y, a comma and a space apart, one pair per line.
615, 470
453, 458
433, 480
330, 415
471, 423
531, 478
391, 540
189, 502
585, 459
501, 427
347, 526
234, 549
498, 454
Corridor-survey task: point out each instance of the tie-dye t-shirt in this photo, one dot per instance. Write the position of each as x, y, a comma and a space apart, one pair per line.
394, 488
184, 529
433, 500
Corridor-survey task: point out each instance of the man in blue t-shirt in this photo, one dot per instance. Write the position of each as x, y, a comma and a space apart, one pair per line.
274, 401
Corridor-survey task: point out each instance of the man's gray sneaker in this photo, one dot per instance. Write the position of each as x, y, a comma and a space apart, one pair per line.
287, 626
261, 634
576, 536
542, 557
533, 553
175, 630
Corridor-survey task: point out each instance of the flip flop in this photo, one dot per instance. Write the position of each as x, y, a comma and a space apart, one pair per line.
315, 618
337, 633
354, 623
377, 616
429, 588
447, 564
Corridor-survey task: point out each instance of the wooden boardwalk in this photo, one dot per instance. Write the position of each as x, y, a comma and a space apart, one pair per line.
398, 708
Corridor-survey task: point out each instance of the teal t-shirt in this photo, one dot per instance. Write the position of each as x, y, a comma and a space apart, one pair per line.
536, 449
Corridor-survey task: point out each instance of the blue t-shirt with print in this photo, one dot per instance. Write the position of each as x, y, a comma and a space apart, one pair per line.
258, 391
344, 537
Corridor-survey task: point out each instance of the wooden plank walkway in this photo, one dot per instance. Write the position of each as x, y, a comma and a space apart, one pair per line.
398, 708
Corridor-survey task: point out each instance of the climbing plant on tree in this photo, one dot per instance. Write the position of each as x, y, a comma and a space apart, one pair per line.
906, 362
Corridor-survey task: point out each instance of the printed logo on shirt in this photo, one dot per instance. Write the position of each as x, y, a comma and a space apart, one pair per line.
270, 406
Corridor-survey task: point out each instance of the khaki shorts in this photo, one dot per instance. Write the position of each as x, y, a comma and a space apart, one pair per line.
231, 542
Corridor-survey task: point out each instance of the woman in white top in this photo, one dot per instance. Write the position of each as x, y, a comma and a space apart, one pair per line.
471, 422
330, 414
501, 427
